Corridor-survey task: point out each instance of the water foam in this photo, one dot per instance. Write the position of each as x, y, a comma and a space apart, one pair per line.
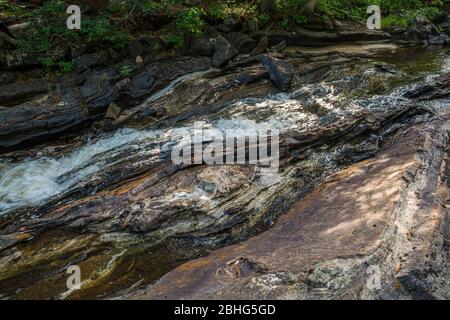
33, 180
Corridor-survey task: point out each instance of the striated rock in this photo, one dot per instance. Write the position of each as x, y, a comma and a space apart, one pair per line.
40, 119
16, 93
127, 215
44, 117
99, 89
302, 36
19, 30
281, 72
158, 74
387, 212
440, 89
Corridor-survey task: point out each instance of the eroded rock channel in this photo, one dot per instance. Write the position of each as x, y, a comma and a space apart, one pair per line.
363, 181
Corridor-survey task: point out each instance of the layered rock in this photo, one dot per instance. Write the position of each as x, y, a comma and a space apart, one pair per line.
71, 106
135, 210
387, 214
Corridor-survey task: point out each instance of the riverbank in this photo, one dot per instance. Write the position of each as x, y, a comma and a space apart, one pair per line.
132, 205
86, 177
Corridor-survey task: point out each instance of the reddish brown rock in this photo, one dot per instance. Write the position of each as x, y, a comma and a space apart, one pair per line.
388, 212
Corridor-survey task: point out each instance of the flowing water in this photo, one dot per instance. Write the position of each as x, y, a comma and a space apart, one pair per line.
140, 259
35, 179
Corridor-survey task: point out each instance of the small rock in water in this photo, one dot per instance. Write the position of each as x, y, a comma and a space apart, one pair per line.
385, 68
139, 60
113, 111
281, 71
437, 40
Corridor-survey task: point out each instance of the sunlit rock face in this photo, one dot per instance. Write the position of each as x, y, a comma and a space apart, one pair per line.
112, 202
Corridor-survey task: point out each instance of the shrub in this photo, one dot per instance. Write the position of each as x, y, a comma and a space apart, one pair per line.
190, 21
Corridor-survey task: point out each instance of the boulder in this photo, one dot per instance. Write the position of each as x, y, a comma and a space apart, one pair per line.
223, 51
99, 89
87, 61
159, 74
281, 72
202, 47
439, 40
241, 42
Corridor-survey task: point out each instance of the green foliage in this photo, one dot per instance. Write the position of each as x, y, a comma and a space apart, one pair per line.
189, 21
11, 9
232, 8
49, 22
66, 66
137, 8
175, 39
126, 71
394, 12
346, 9
47, 63
60, 67
111, 26
100, 30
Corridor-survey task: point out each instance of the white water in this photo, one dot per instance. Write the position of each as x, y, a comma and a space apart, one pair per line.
32, 180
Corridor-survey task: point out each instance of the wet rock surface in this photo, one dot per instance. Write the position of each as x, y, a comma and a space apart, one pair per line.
121, 210
388, 212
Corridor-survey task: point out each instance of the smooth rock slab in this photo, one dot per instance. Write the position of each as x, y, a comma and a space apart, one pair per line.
379, 212
16, 93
